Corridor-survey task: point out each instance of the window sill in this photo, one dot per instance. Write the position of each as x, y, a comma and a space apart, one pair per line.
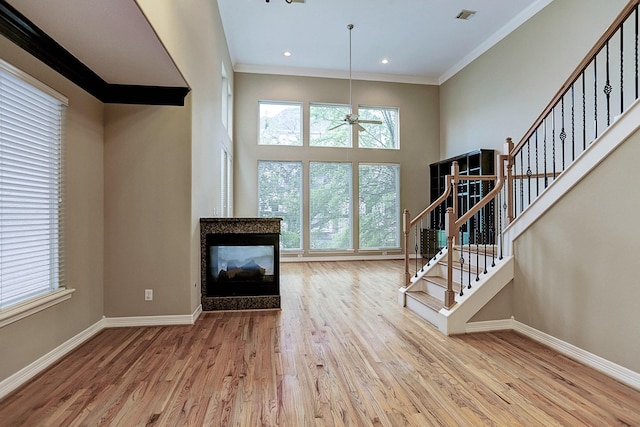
27, 308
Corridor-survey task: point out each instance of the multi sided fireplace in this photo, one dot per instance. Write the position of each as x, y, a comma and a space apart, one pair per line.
240, 263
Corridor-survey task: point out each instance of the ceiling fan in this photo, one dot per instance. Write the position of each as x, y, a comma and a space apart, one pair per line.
350, 118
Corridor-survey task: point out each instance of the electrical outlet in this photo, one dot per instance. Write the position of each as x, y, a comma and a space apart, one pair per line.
148, 294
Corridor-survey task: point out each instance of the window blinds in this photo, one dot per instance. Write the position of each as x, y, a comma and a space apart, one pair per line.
31, 191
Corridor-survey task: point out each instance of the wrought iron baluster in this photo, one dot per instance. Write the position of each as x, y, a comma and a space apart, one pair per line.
416, 252
529, 172
484, 235
422, 243
553, 142
492, 230
621, 69
607, 86
504, 209
522, 179
544, 151
462, 260
537, 169
595, 97
470, 222
584, 112
636, 52
573, 124
478, 244
563, 137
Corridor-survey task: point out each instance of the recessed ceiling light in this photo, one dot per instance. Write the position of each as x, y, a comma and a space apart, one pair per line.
287, 53
385, 61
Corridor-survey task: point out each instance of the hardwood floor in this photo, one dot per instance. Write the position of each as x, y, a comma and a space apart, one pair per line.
340, 353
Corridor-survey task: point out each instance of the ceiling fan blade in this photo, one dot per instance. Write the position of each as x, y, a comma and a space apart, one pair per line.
372, 122
337, 126
360, 128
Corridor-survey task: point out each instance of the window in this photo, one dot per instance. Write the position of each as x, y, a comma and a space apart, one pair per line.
379, 208
383, 136
31, 190
327, 127
226, 107
330, 205
226, 180
280, 123
280, 196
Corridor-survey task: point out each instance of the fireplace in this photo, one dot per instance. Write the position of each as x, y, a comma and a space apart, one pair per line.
240, 263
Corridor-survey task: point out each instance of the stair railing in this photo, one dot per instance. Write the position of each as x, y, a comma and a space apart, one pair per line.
480, 226
481, 217
416, 225
603, 86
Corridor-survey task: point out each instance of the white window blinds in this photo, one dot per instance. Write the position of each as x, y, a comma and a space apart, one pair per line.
31, 191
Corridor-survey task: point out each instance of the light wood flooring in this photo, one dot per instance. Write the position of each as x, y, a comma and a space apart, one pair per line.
341, 352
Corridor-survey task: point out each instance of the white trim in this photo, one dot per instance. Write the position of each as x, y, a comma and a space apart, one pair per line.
16, 72
333, 74
25, 374
135, 321
503, 32
613, 370
32, 306
620, 373
489, 326
361, 257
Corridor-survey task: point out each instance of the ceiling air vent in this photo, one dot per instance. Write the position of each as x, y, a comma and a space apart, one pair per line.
465, 14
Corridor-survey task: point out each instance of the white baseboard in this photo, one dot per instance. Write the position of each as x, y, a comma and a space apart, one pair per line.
620, 373
177, 319
30, 371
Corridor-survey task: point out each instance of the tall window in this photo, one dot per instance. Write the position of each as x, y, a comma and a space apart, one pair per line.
280, 123
226, 181
31, 191
327, 127
330, 200
226, 106
379, 136
379, 208
280, 196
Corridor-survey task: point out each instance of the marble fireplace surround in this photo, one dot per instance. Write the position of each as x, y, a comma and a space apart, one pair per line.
235, 226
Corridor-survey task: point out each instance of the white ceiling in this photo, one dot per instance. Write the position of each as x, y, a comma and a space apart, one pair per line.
422, 39
111, 37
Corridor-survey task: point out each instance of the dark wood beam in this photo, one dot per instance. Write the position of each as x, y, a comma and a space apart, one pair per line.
24, 33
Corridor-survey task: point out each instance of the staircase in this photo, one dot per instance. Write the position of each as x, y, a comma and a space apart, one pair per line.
475, 281
594, 111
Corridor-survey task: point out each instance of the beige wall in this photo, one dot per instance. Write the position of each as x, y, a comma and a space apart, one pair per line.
26, 340
193, 35
571, 281
501, 93
147, 209
576, 268
418, 106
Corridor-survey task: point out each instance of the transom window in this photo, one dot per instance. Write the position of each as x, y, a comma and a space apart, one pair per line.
382, 136
280, 123
327, 127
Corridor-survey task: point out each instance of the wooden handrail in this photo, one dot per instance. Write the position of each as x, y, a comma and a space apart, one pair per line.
600, 44
433, 205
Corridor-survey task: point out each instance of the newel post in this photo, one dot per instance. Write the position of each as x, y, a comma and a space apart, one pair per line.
406, 225
449, 295
508, 148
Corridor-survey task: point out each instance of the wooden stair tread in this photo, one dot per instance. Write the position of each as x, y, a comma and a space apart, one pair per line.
426, 299
441, 281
